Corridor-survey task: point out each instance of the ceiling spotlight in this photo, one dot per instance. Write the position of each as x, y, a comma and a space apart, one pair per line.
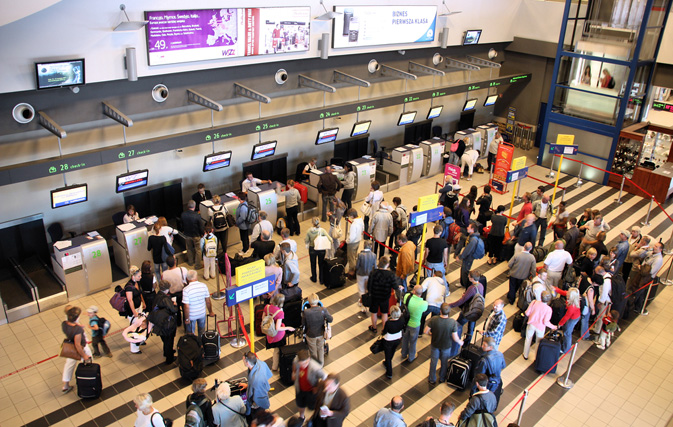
129, 25
448, 12
328, 15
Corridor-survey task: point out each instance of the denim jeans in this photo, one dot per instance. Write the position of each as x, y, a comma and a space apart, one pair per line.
568, 333
455, 347
431, 309
437, 266
584, 324
409, 338
158, 269
443, 356
189, 327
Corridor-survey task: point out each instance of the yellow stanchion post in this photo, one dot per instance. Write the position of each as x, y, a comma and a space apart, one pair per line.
425, 203
420, 255
511, 205
556, 182
252, 326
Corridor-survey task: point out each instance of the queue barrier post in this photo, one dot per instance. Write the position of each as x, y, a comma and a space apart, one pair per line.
551, 167
218, 294
643, 311
579, 182
523, 402
621, 188
517, 198
238, 342
563, 195
646, 223
668, 281
567, 382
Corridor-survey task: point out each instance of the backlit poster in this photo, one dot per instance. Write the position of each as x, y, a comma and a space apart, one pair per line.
178, 36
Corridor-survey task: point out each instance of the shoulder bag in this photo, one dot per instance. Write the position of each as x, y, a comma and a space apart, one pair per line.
321, 243
69, 351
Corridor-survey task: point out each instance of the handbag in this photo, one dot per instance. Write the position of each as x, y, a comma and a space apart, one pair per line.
167, 421
366, 299
366, 209
507, 237
166, 250
68, 350
321, 243
377, 346
454, 147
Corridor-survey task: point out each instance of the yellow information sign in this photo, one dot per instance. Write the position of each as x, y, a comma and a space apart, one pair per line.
518, 163
428, 202
563, 139
249, 273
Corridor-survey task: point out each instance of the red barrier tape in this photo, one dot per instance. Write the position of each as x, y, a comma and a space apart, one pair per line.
241, 322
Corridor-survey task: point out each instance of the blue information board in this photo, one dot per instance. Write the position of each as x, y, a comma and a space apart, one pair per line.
238, 294
517, 174
568, 150
431, 215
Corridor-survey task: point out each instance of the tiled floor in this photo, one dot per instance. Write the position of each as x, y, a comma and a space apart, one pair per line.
628, 384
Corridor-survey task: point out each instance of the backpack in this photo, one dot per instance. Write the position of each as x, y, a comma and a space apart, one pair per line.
210, 247
103, 325
454, 234
118, 300
280, 224
525, 295
618, 290
399, 221
406, 315
446, 228
165, 324
475, 308
414, 233
252, 216
611, 83
194, 416
190, 357
269, 323
480, 250
219, 219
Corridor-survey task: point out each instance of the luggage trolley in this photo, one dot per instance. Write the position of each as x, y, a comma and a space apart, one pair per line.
523, 136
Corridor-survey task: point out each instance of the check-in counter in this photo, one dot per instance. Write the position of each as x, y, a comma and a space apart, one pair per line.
83, 264
472, 138
365, 173
312, 186
487, 132
433, 150
130, 247
415, 162
264, 198
230, 203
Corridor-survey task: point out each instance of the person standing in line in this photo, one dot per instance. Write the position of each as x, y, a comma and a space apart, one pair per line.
374, 199
263, 246
314, 320
539, 314
165, 302
435, 291
158, 245
483, 401
406, 259
391, 417
242, 221
275, 309
555, 262
363, 267
328, 186
484, 202
201, 195
604, 291
134, 296
147, 284
199, 398
560, 222
257, 388
195, 300
392, 337
316, 256
476, 287
496, 235
349, 185
379, 285
436, 256
400, 221
74, 333
571, 317
491, 364
445, 411
416, 306
467, 254
306, 375
355, 231
332, 403
218, 219
381, 228
571, 236
292, 199
493, 149
543, 211
285, 235
192, 226
622, 250
527, 233
228, 410
177, 277
145, 412
262, 225
208, 246
496, 323
469, 159
443, 331
526, 208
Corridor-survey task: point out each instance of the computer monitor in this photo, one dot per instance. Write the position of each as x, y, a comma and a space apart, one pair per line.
264, 149
131, 180
66, 196
361, 128
471, 37
435, 112
406, 118
57, 74
490, 100
470, 104
326, 135
216, 161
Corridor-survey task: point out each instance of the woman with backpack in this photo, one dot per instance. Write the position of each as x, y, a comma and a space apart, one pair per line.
218, 219
274, 329
208, 246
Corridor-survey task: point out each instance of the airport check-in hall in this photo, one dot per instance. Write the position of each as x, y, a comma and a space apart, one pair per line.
124, 124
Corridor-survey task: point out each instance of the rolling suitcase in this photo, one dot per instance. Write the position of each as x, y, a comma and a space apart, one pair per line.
303, 191
548, 352
292, 311
287, 355
89, 382
211, 344
518, 321
190, 357
336, 273
458, 374
471, 352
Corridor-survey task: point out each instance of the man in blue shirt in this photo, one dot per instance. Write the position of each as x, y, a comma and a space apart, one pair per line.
622, 249
491, 364
495, 324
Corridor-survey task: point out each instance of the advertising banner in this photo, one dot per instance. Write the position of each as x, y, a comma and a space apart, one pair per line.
178, 36
382, 25
453, 171
503, 162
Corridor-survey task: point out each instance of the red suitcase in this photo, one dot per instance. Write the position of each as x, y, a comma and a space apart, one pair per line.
303, 191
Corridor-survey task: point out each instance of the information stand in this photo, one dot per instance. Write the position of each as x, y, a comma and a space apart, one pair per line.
427, 208
518, 172
564, 146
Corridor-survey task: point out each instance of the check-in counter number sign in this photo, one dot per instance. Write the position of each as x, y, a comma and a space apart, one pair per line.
96, 254
137, 241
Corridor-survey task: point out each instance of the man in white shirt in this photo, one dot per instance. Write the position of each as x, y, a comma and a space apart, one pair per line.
355, 232
309, 167
285, 235
591, 230
251, 181
655, 259
543, 210
604, 292
435, 291
555, 263
195, 300
262, 225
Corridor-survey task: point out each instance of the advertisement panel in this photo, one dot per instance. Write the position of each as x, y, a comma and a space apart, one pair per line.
503, 162
178, 36
382, 25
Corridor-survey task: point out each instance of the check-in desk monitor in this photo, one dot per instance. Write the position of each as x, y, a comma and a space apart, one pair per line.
487, 133
130, 248
264, 198
230, 203
83, 264
433, 151
365, 172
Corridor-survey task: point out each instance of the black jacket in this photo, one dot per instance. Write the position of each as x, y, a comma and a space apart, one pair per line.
192, 224
380, 283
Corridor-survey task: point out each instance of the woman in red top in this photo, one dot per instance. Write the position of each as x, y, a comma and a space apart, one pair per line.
571, 317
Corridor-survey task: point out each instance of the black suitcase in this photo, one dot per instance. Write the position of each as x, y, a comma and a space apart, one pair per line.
548, 353
88, 379
190, 357
287, 355
336, 273
518, 321
507, 251
458, 374
292, 311
211, 344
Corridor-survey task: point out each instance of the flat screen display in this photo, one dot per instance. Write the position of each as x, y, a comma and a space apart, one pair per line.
470, 104
178, 36
264, 149
435, 112
361, 128
67, 196
471, 37
406, 118
216, 161
131, 180
490, 100
358, 26
59, 74
327, 135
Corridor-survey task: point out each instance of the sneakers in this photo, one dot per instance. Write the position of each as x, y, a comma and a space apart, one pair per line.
108, 355
602, 347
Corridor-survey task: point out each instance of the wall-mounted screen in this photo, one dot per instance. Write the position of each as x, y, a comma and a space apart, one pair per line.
490, 100
406, 118
177, 36
67, 196
131, 180
327, 135
59, 74
435, 112
471, 37
381, 25
264, 149
361, 128
470, 104
216, 161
